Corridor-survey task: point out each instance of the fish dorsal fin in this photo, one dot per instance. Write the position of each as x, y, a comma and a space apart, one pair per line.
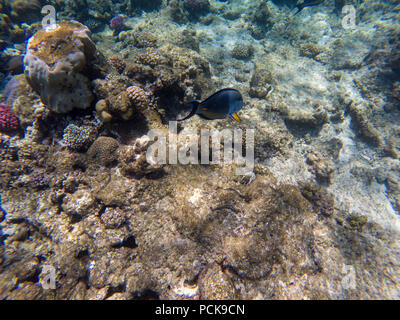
218, 92
195, 105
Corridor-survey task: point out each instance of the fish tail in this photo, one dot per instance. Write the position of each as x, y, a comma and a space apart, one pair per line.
299, 8
195, 105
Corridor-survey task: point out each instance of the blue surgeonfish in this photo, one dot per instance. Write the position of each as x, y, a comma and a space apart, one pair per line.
219, 105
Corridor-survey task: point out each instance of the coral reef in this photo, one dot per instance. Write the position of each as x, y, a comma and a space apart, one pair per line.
169, 74
117, 63
25, 103
317, 218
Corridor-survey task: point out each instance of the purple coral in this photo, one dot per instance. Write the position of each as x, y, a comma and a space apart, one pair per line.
8, 120
117, 23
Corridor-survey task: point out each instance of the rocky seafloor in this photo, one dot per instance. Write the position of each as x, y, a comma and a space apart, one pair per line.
319, 221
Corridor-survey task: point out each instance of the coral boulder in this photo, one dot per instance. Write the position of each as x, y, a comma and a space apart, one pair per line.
57, 63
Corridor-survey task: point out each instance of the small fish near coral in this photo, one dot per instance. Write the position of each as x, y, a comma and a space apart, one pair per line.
8, 120
307, 3
219, 105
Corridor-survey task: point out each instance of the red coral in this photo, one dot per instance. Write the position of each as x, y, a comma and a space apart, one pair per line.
8, 120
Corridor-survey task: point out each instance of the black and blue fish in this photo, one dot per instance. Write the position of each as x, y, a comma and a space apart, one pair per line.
307, 3
226, 102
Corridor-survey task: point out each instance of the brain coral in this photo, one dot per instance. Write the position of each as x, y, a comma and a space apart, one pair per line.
104, 150
138, 96
54, 66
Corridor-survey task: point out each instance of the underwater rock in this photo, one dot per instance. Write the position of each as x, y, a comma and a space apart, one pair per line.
314, 119
188, 39
78, 137
113, 217
135, 5
261, 82
309, 50
271, 140
347, 54
363, 126
56, 64
215, 284
138, 38
132, 159
260, 20
104, 150
177, 13
197, 8
321, 166
322, 201
232, 14
80, 203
